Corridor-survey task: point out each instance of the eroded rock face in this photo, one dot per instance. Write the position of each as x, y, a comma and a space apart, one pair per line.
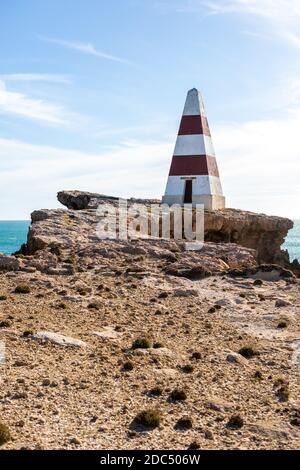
260, 232
63, 242
264, 233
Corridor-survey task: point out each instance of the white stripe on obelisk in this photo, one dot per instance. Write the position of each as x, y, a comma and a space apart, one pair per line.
195, 144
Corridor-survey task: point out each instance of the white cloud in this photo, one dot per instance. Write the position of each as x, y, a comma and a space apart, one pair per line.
86, 48
279, 10
15, 103
282, 16
38, 172
35, 77
260, 165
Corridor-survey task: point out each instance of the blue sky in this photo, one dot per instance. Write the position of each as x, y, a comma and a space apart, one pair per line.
91, 94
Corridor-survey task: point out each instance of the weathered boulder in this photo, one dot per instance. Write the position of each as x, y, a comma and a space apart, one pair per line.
261, 232
59, 339
79, 200
9, 263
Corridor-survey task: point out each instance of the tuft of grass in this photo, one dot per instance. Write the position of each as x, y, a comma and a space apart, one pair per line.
158, 345
248, 352
27, 333
258, 375
4, 434
3, 297
197, 355
211, 310
279, 381
282, 324
283, 393
62, 305
188, 369
235, 422
194, 446
178, 395
128, 366
93, 306
141, 343
149, 418
156, 392
183, 424
5, 323
22, 289
163, 295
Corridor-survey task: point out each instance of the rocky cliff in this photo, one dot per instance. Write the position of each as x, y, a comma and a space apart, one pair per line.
260, 232
65, 241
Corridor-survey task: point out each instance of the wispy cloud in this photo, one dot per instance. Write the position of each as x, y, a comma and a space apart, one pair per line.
282, 16
36, 77
119, 171
86, 48
262, 156
12, 102
279, 10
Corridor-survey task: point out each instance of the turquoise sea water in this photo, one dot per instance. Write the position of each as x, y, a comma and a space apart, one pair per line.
14, 233
292, 243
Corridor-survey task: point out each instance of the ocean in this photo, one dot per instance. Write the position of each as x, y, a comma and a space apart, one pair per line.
292, 243
14, 233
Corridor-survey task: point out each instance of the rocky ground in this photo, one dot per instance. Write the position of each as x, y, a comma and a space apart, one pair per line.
215, 326
65, 396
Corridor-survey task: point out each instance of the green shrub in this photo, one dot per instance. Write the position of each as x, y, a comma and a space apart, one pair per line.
5, 323
248, 352
196, 355
141, 343
178, 395
3, 297
283, 393
128, 366
93, 305
235, 422
156, 392
282, 324
163, 295
194, 446
22, 289
148, 418
188, 368
27, 333
184, 424
158, 345
258, 375
279, 381
62, 305
4, 434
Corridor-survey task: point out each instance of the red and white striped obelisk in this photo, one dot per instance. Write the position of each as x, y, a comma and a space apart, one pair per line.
194, 176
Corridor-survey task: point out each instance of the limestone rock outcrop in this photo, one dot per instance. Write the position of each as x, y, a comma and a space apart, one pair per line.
260, 232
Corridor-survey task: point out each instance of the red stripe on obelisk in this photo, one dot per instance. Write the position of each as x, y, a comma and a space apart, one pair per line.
194, 165
194, 125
